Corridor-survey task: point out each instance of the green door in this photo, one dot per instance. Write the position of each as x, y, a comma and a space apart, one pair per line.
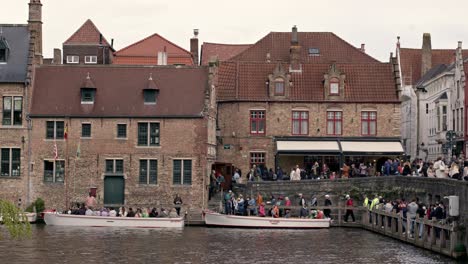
114, 190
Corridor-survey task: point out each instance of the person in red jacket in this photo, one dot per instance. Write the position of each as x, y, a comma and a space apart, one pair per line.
349, 204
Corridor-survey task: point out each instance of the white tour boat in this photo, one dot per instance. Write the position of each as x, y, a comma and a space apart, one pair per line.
108, 221
32, 217
217, 219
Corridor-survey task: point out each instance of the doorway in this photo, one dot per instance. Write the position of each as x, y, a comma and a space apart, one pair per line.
114, 187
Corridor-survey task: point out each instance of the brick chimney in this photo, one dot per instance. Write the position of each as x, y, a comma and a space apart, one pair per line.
35, 27
426, 61
57, 57
295, 51
194, 47
363, 48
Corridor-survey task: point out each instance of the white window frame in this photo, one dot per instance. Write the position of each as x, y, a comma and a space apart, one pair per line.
73, 59
54, 171
90, 59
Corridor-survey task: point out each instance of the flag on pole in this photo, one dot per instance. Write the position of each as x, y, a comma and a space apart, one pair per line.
55, 151
78, 150
65, 131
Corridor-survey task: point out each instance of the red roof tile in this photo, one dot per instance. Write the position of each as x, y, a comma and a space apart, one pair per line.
88, 33
330, 46
224, 52
411, 59
145, 52
119, 91
365, 82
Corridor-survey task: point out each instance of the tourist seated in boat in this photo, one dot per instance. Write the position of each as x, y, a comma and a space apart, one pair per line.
240, 205
104, 212
138, 213
97, 213
163, 213
112, 212
275, 211
261, 210
122, 212
91, 201
153, 213
252, 206
320, 215
145, 212
130, 213
313, 214
89, 212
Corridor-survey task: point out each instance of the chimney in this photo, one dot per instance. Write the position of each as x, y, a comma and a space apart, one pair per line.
295, 52
459, 44
100, 39
57, 56
162, 57
35, 28
426, 63
112, 43
194, 47
363, 48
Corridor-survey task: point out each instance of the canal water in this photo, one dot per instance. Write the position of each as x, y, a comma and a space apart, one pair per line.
51, 244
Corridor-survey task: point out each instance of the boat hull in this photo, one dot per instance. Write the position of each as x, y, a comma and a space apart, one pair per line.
32, 217
216, 219
107, 221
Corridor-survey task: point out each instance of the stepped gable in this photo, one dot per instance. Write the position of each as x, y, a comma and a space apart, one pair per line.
365, 82
223, 52
330, 47
119, 91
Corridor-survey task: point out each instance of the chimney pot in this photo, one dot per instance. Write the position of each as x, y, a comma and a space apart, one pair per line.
363, 47
194, 46
460, 44
195, 33
294, 39
112, 43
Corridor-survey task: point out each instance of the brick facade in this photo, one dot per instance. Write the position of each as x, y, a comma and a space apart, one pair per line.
103, 53
234, 123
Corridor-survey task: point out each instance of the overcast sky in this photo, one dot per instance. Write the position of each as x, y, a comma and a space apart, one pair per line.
373, 22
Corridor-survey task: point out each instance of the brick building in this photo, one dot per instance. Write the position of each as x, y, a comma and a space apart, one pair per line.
295, 98
156, 50
86, 46
20, 49
137, 135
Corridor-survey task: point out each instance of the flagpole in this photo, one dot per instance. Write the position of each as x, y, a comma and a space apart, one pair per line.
65, 180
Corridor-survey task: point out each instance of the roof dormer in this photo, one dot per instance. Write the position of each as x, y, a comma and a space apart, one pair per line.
88, 91
151, 91
334, 84
4, 50
279, 83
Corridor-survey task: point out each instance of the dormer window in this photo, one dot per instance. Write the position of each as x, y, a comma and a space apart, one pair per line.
334, 86
4, 50
149, 96
279, 86
314, 52
87, 95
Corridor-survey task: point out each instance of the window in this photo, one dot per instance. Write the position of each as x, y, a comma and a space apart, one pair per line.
334, 87
444, 118
90, 59
3, 57
149, 96
54, 170
87, 95
4, 50
300, 123
182, 172
12, 110
257, 158
114, 166
279, 86
314, 52
10, 162
257, 122
334, 121
148, 171
73, 59
121, 130
54, 129
148, 134
369, 123
86, 130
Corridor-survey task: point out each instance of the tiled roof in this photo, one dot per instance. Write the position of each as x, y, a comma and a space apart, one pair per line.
365, 82
145, 52
88, 33
411, 60
436, 70
224, 52
119, 91
16, 37
330, 47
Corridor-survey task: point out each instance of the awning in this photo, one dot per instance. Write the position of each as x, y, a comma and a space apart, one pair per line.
305, 147
371, 148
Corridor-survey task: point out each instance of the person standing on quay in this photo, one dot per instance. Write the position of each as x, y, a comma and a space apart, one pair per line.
178, 203
349, 204
327, 212
91, 202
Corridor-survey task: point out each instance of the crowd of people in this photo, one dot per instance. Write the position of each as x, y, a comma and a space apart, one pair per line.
90, 208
